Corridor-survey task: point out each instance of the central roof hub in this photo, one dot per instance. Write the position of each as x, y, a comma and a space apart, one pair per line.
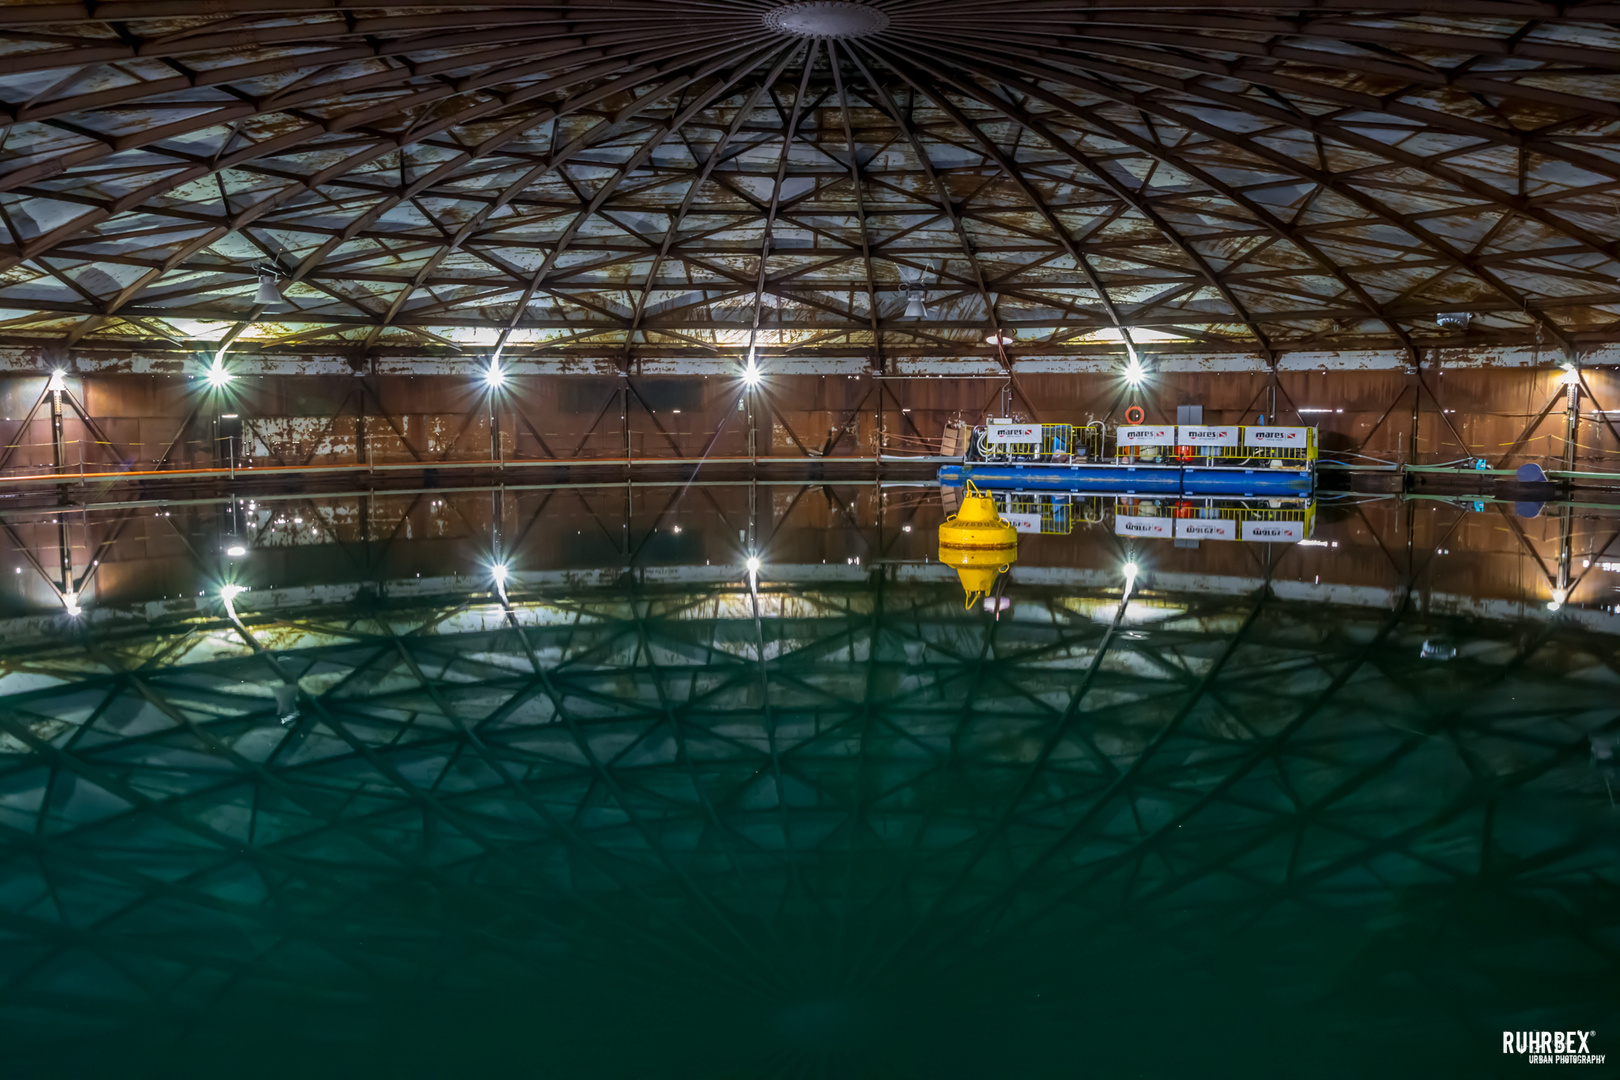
826, 19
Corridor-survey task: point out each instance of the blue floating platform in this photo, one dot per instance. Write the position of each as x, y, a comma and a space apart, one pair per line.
1133, 479
1214, 480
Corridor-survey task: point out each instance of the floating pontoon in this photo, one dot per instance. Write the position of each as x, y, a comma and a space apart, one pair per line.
1166, 459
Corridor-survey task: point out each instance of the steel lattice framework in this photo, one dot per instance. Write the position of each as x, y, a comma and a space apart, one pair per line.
722, 795
707, 177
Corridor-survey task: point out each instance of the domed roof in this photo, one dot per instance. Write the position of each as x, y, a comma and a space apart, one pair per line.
701, 176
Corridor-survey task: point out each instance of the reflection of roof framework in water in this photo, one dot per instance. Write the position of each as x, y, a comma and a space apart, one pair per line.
897, 787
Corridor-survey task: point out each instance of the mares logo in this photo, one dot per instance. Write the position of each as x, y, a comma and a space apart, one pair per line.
1013, 433
1552, 1047
1284, 532
1274, 436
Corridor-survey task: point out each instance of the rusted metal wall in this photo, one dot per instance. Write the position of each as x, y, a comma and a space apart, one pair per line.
1436, 414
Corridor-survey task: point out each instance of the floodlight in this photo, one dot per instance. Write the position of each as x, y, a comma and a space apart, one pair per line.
269, 294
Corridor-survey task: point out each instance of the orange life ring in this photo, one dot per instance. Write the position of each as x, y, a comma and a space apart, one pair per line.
1135, 414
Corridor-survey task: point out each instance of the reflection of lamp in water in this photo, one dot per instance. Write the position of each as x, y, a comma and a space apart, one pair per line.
977, 544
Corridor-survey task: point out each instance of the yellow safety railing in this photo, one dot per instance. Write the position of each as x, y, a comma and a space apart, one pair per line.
1058, 514
1298, 456
1059, 442
1087, 439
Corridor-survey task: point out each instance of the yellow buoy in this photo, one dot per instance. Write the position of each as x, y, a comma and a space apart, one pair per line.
977, 543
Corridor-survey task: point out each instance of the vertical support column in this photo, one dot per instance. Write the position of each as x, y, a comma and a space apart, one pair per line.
58, 450
360, 455
751, 545
624, 419
753, 431
496, 450
1417, 405
878, 430
1572, 416
497, 513
1566, 547
366, 501
64, 539
228, 429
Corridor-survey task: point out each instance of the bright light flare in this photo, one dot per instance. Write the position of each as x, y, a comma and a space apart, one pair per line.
1135, 374
218, 377
236, 551
229, 593
1130, 570
58, 381
751, 375
752, 564
494, 375
70, 604
1558, 598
